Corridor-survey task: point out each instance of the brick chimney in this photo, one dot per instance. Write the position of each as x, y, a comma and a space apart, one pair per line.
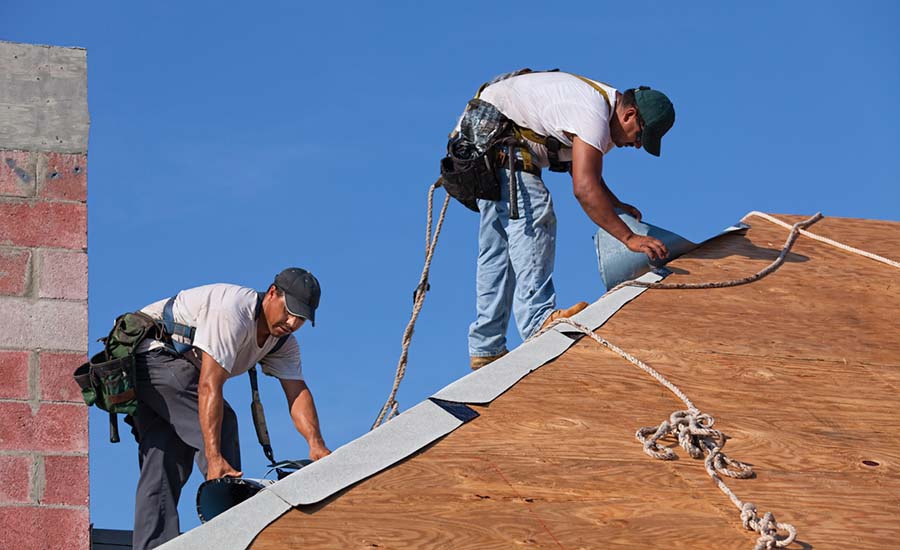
44, 122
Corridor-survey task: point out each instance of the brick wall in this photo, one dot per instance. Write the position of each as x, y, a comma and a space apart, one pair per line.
43, 297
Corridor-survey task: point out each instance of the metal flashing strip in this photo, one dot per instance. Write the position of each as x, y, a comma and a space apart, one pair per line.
598, 313
618, 264
487, 383
236, 528
389, 443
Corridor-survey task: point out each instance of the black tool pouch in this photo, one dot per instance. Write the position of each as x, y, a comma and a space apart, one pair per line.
468, 172
470, 180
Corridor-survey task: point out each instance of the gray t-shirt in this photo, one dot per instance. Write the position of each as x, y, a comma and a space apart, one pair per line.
225, 319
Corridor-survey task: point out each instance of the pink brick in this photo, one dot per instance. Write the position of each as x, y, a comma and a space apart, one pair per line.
63, 275
63, 176
55, 428
17, 174
41, 528
56, 376
14, 266
66, 480
14, 374
15, 471
62, 225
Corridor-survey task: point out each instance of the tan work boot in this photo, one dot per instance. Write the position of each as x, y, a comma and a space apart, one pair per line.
478, 362
563, 314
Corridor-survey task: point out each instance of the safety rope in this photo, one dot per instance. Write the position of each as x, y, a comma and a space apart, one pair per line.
695, 434
768, 270
826, 240
390, 408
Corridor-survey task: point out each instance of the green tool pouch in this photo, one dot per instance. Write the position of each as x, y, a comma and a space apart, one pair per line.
108, 379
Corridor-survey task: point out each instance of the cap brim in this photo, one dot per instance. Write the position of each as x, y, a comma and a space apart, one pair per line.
651, 142
300, 309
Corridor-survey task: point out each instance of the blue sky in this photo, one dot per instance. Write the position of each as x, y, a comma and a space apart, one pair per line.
229, 140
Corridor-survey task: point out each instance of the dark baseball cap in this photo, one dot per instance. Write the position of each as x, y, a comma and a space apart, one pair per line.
301, 292
658, 115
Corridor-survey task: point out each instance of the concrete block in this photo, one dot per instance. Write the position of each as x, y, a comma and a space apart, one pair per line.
15, 471
56, 224
62, 274
45, 324
66, 480
43, 528
15, 264
56, 376
44, 93
62, 176
14, 373
17, 173
54, 428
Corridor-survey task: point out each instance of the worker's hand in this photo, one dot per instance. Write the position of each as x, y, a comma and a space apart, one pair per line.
318, 451
219, 467
653, 248
630, 210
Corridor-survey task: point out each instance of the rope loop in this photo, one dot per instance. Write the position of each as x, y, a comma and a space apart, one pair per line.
767, 528
694, 432
391, 407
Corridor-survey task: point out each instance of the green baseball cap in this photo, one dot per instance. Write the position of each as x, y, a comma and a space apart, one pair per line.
658, 115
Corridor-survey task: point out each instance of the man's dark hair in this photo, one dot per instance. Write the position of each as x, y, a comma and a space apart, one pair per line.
628, 99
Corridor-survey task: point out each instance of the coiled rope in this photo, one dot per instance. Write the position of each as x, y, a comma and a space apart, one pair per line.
390, 408
695, 434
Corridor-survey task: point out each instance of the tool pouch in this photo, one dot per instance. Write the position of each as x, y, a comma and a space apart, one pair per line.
109, 384
107, 381
468, 172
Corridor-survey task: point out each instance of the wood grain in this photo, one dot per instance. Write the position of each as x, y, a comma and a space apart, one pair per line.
800, 369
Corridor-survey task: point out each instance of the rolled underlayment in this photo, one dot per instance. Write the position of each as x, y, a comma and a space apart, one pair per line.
214, 496
618, 264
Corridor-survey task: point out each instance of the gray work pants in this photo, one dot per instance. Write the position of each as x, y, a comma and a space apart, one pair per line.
167, 427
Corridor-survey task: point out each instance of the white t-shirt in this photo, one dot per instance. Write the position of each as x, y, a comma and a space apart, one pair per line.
225, 319
553, 104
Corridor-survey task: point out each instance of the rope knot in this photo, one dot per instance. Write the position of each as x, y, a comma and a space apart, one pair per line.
767, 528
694, 432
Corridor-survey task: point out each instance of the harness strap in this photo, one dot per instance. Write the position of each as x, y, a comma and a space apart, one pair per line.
182, 336
256, 406
552, 144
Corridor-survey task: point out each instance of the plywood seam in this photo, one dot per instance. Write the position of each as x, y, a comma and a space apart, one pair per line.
781, 358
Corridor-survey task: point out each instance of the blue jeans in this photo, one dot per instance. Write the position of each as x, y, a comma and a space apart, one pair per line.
515, 265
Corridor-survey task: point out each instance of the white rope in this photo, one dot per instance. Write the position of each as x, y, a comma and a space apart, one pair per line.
695, 434
826, 240
391, 407
796, 229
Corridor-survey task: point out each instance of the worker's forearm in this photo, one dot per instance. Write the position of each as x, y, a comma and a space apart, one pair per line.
306, 419
212, 408
599, 204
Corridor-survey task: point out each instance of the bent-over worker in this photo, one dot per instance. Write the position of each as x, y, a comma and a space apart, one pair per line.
182, 415
567, 123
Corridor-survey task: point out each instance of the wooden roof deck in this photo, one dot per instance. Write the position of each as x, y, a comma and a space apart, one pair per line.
800, 369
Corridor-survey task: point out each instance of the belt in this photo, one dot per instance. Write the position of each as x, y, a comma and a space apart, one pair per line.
521, 166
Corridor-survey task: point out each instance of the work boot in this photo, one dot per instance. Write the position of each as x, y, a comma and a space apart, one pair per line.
563, 314
478, 362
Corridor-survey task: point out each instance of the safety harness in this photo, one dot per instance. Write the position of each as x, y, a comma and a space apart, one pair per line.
108, 379
488, 140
